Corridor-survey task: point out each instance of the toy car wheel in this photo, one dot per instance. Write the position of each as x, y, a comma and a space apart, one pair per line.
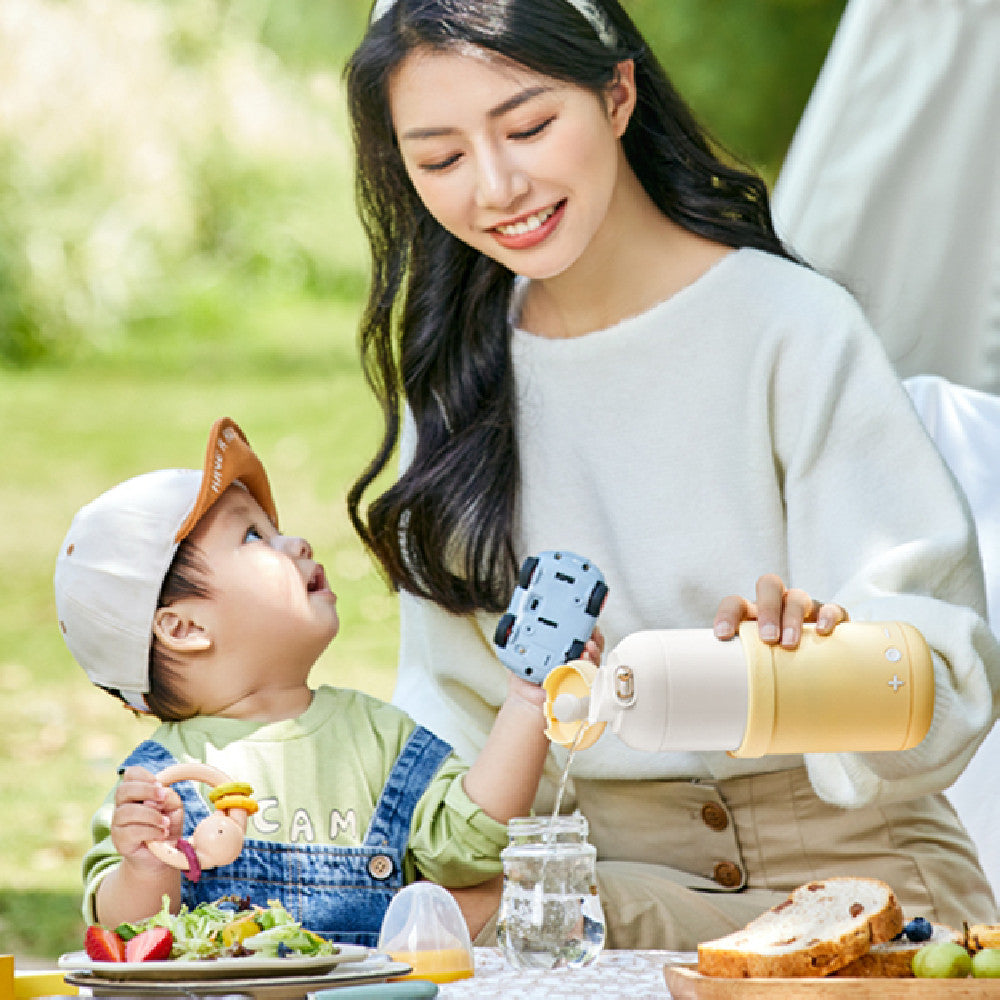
597, 596
575, 651
527, 571
504, 627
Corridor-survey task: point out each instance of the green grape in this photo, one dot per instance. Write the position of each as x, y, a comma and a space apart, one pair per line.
986, 964
944, 960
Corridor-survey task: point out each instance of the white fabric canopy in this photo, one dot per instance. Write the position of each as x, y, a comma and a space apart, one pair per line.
892, 182
965, 425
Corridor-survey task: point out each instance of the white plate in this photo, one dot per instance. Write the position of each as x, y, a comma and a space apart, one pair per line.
214, 968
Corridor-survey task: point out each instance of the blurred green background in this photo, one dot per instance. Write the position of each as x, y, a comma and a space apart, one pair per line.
178, 242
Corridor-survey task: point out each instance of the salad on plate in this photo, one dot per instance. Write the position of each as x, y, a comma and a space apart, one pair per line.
227, 928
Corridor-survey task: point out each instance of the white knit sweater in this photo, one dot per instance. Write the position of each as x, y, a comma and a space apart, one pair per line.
749, 424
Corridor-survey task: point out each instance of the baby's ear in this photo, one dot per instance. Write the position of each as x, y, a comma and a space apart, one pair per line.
179, 632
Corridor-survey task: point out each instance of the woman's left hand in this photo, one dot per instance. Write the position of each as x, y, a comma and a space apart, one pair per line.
779, 613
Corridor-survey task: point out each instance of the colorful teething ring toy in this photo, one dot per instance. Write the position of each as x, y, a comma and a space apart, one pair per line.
218, 839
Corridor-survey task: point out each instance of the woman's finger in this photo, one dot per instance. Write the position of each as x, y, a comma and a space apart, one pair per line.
829, 616
798, 608
732, 610
770, 607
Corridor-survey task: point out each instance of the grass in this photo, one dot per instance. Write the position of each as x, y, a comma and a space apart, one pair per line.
69, 434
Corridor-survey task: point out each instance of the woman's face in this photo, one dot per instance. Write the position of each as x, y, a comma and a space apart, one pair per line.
518, 165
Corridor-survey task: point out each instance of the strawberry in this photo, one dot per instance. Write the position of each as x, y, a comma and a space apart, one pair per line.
103, 945
150, 945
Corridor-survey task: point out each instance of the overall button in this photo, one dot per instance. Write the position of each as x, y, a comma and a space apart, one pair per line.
714, 816
380, 866
727, 874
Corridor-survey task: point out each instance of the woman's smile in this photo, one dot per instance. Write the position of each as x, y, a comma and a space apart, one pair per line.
529, 230
519, 166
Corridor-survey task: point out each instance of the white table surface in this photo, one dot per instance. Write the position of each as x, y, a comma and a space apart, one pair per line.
616, 975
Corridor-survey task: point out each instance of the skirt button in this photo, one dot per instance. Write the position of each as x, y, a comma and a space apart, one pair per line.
728, 874
714, 816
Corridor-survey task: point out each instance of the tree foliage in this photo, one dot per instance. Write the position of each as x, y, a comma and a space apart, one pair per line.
156, 153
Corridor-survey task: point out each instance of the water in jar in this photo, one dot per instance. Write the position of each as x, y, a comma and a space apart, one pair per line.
550, 911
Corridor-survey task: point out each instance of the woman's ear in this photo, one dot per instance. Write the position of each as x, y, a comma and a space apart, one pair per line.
179, 632
621, 96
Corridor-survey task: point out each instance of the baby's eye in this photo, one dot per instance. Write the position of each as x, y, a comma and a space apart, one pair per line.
253, 535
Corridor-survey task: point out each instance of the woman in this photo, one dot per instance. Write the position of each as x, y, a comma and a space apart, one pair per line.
593, 339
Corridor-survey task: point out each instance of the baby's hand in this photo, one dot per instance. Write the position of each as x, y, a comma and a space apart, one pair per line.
144, 810
594, 649
779, 613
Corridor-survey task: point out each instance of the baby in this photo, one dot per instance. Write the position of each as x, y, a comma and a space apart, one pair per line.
178, 594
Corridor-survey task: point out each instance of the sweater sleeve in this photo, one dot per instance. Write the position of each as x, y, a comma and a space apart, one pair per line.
452, 841
99, 859
877, 524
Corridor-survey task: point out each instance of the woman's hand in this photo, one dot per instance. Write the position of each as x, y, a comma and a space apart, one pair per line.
779, 613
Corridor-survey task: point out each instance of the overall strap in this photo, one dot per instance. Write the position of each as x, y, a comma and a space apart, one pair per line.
155, 757
416, 765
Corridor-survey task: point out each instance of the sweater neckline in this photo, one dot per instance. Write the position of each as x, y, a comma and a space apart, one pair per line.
655, 311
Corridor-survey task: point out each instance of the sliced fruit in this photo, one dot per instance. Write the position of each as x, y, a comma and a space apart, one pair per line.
103, 945
239, 930
151, 945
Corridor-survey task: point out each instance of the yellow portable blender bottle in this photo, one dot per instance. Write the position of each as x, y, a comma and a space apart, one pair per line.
866, 686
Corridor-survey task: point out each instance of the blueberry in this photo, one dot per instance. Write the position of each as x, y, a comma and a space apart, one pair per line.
283, 950
918, 929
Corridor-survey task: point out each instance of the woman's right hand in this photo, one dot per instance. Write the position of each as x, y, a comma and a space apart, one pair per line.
144, 810
778, 611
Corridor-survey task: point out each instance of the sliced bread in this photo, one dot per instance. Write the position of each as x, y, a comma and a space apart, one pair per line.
894, 958
820, 928
979, 936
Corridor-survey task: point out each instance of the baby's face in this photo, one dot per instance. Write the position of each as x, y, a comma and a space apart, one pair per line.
270, 602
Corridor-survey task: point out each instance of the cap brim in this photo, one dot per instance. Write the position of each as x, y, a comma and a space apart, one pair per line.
228, 458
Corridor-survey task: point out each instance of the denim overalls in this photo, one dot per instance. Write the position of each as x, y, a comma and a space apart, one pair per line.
339, 892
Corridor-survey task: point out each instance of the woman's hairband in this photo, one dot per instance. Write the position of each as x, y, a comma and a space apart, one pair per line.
588, 9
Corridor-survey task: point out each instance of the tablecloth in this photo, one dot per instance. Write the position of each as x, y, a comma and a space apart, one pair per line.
616, 975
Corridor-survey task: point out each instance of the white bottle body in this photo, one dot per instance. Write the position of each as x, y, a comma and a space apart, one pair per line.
868, 686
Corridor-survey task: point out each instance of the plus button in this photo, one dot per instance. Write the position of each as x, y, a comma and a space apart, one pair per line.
896, 683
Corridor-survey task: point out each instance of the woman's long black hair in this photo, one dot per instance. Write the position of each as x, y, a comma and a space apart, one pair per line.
435, 328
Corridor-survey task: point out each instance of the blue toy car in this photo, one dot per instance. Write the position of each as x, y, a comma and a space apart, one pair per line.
551, 614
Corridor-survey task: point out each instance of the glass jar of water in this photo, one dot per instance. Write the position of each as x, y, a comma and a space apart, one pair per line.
550, 912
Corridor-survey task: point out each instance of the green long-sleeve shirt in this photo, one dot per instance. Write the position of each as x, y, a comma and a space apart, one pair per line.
317, 779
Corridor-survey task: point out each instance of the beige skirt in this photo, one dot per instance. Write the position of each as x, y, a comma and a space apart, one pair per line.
684, 861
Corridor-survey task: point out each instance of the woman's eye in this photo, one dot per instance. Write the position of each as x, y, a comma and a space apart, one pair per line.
442, 164
253, 535
530, 133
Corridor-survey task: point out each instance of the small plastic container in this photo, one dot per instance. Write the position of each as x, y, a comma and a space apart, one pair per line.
550, 911
424, 928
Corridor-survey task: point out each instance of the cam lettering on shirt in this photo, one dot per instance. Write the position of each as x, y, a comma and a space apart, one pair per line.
346, 822
301, 828
260, 819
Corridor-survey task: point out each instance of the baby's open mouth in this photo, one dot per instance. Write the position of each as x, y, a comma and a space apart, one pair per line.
317, 581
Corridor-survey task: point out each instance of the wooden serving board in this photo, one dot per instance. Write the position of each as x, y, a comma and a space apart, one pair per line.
686, 983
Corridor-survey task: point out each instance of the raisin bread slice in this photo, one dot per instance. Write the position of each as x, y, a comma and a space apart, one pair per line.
894, 958
820, 928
